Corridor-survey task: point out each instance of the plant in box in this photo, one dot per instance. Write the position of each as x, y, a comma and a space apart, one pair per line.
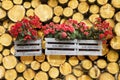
64, 31
80, 36
25, 32
101, 30
26, 29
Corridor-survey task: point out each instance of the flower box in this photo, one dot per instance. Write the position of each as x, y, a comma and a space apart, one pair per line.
28, 48
56, 47
73, 47
89, 47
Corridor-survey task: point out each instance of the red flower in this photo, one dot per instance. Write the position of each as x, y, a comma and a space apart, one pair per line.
63, 35
33, 32
46, 32
86, 33
28, 37
101, 36
81, 29
99, 19
71, 29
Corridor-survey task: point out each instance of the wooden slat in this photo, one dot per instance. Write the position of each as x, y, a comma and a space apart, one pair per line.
31, 53
28, 42
27, 47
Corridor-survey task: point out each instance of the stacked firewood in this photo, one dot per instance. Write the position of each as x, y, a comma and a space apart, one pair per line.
48, 67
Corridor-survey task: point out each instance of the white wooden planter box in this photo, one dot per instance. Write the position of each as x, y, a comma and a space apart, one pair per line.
73, 47
55, 47
89, 47
28, 48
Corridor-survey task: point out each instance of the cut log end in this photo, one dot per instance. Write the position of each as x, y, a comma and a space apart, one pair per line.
2, 13
83, 7
20, 67
78, 17
67, 12
116, 29
56, 60
45, 66
10, 74
9, 62
112, 56
101, 63
106, 76
115, 42
41, 76
86, 64
58, 10
29, 74
53, 72
107, 11
16, 13
44, 12
65, 68
7, 4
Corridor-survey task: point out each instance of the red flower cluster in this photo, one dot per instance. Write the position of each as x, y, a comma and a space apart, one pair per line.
105, 28
26, 28
71, 29
60, 31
